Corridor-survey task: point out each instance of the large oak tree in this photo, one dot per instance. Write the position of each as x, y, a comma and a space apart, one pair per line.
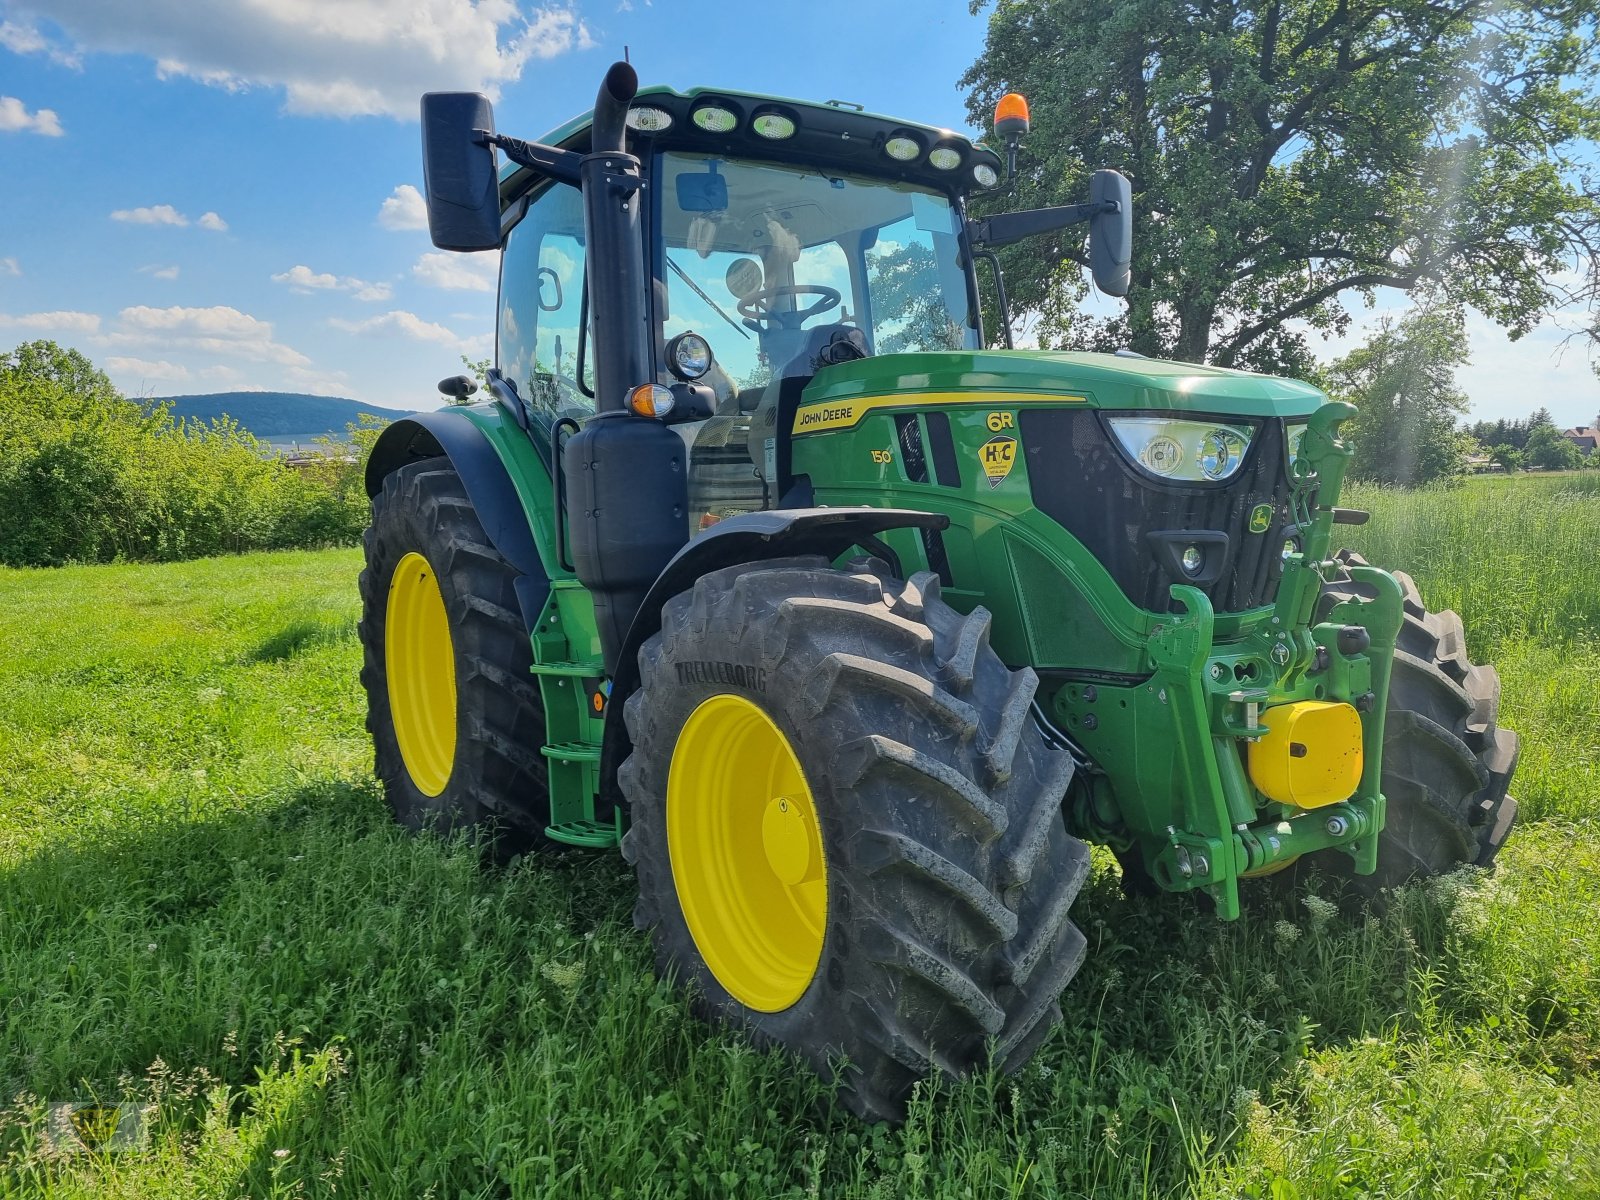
1290, 157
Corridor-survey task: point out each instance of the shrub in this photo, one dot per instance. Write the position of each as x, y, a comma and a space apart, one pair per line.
89, 476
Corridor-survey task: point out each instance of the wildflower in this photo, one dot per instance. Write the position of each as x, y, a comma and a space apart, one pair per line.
1286, 933
1322, 911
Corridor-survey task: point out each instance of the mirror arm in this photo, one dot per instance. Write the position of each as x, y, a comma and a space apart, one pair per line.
1001, 304
1006, 228
560, 165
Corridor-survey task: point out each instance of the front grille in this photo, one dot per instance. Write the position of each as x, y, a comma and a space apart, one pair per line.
1082, 481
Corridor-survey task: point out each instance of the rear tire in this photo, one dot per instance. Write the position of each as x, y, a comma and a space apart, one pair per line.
475, 763
1446, 760
949, 872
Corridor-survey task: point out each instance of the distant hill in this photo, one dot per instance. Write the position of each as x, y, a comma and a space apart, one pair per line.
275, 416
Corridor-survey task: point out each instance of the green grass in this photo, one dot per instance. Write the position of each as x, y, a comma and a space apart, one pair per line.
205, 909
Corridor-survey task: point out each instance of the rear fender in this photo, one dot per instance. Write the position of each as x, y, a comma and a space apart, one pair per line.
504, 478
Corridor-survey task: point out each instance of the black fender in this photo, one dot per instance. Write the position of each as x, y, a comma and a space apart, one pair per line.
488, 484
747, 538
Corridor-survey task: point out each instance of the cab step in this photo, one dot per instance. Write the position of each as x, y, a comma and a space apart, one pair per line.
572, 752
584, 833
580, 670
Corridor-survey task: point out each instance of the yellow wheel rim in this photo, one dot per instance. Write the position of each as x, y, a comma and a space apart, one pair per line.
420, 665
746, 853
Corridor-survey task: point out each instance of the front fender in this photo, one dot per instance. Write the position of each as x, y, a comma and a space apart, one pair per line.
747, 538
491, 466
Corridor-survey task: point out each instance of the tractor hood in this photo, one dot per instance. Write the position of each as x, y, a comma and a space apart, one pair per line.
1100, 380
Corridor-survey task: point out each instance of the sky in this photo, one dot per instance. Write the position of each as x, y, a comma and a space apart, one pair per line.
209, 197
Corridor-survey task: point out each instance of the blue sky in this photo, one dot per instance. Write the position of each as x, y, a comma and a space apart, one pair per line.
210, 197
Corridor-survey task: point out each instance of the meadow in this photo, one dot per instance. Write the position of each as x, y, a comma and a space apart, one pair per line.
205, 910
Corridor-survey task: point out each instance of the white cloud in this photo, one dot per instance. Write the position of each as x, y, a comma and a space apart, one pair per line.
458, 272
349, 58
10, 266
165, 214
216, 330
160, 214
62, 322
15, 118
144, 369
404, 209
304, 280
24, 38
156, 272
405, 324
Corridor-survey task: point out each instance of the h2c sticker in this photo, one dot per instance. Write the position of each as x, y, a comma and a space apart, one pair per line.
997, 456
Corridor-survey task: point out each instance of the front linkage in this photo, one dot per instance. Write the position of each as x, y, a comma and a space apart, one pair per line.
1302, 697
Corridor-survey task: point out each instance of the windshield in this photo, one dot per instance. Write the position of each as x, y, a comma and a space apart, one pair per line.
770, 263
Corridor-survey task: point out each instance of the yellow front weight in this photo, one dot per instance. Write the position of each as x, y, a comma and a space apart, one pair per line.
1310, 755
746, 853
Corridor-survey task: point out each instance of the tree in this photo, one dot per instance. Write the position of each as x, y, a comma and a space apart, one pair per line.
1549, 450
1509, 458
1402, 381
1289, 156
42, 369
908, 305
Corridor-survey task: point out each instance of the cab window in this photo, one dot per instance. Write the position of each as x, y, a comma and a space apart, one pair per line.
541, 299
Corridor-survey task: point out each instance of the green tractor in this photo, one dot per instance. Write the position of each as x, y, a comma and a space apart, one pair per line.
852, 633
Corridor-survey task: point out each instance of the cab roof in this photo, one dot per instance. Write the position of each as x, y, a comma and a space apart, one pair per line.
832, 134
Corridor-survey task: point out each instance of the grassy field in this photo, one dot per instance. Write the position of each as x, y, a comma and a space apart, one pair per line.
204, 909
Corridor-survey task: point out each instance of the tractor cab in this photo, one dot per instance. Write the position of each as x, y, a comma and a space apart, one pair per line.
771, 255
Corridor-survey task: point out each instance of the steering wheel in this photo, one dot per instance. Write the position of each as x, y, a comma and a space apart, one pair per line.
758, 313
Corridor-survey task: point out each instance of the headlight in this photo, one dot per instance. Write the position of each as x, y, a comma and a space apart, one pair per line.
713, 118
773, 126
649, 120
945, 158
1187, 451
902, 148
985, 175
689, 356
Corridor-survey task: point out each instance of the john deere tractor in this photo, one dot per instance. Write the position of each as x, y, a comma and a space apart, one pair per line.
851, 632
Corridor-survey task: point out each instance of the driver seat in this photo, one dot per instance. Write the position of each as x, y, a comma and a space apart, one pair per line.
774, 405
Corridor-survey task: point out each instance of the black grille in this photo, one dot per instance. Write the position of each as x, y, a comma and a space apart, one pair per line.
1081, 480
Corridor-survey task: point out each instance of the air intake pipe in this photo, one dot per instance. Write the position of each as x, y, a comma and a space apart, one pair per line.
625, 475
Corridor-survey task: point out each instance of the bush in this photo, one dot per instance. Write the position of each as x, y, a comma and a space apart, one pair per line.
89, 476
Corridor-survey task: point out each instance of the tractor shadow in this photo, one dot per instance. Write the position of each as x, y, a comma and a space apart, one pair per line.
300, 636
1179, 1024
242, 972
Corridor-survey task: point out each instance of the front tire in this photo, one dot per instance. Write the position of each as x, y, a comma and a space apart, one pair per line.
1447, 762
454, 714
847, 827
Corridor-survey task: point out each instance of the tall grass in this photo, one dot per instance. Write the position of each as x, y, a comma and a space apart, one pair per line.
1518, 558
204, 908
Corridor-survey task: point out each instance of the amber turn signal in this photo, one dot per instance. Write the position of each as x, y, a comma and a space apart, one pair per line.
650, 400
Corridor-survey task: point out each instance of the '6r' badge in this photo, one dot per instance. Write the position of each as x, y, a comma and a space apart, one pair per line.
997, 456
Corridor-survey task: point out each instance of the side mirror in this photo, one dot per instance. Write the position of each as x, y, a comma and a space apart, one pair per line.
1111, 233
458, 172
